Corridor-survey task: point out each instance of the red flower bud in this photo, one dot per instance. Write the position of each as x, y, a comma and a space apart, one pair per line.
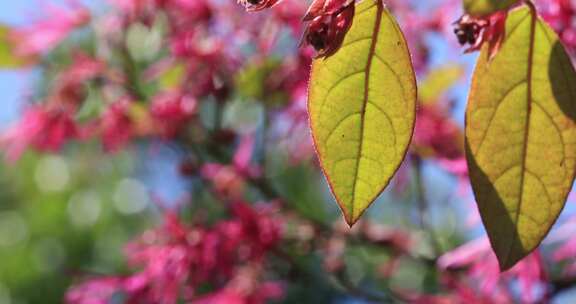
324, 7
330, 20
476, 31
257, 5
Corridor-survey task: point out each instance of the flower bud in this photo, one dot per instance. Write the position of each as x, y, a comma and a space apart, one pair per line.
475, 32
257, 5
330, 20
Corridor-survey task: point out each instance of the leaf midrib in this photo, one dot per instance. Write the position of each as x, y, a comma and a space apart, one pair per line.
367, 72
529, 84
485, 133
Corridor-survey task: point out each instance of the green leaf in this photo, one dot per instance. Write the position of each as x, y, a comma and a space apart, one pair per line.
438, 82
486, 7
173, 77
362, 104
9, 60
521, 136
143, 42
257, 82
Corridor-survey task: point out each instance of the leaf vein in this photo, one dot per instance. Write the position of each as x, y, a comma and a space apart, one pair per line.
368, 70
334, 86
496, 107
389, 119
341, 121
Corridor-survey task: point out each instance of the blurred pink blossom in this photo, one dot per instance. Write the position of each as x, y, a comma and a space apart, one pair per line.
561, 14
243, 157
566, 250
437, 135
95, 291
46, 33
171, 111
482, 270
229, 180
42, 129
175, 259
117, 126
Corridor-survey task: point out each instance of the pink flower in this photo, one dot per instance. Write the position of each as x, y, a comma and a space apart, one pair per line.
290, 13
561, 15
69, 89
95, 291
566, 251
117, 126
257, 5
261, 294
222, 297
163, 279
229, 180
436, 134
174, 260
43, 35
198, 49
192, 12
259, 226
243, 158
171, 111
42, 129
481, 265
225, 180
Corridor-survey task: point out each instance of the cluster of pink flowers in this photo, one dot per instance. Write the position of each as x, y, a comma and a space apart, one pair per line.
45, 34
176, 260
483, 283
561, 15
209, 43
437, 133
209, 50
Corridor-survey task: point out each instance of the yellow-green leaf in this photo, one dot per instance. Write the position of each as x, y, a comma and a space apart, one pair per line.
362, 105
521, 136
486, 7
255, 82
173, 77
8, 60
438, 82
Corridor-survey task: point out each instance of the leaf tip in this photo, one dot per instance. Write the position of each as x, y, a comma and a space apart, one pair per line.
353, 217
351, 220
506, 265
508, 262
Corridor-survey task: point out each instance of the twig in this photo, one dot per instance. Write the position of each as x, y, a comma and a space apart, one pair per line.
423, 203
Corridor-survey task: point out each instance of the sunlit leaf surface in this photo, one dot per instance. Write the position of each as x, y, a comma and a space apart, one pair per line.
521, 136
362, 108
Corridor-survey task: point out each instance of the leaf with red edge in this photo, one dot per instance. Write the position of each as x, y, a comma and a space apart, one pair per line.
362, 105
521, 136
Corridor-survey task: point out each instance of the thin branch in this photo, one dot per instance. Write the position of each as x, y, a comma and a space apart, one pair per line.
423, 204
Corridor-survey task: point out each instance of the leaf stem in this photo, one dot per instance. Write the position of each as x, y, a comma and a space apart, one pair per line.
423, 204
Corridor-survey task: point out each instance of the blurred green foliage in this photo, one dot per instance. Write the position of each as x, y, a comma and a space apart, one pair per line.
62, 217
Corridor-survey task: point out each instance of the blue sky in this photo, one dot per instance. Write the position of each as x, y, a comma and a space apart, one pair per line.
12, 83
